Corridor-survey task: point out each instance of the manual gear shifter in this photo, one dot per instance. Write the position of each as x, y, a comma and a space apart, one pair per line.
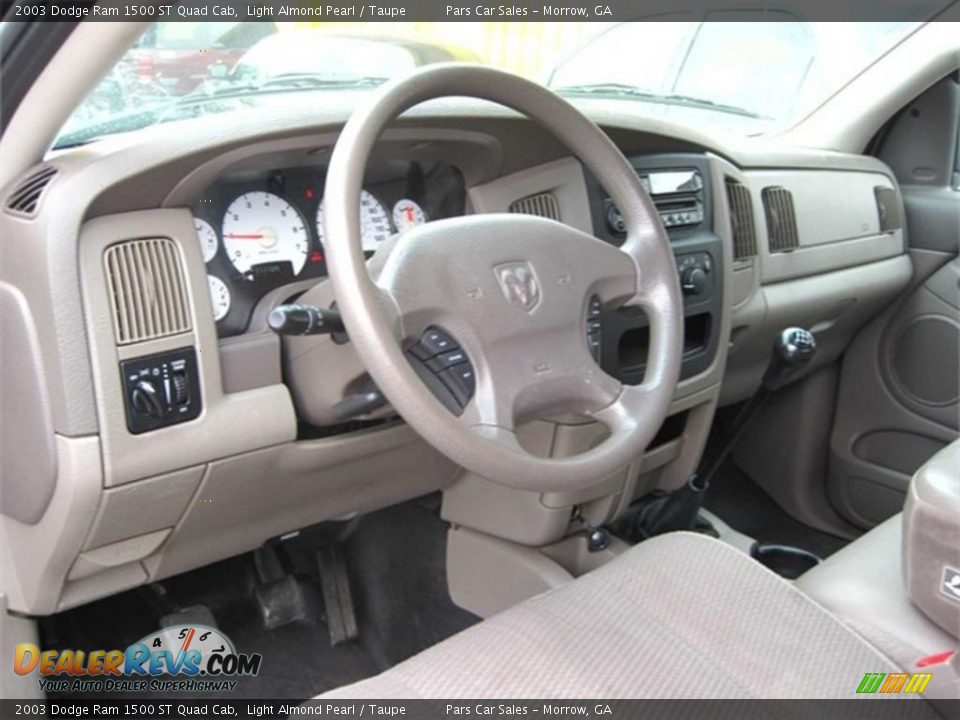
793, 349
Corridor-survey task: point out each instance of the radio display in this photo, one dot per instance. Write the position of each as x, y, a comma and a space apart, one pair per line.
672, 181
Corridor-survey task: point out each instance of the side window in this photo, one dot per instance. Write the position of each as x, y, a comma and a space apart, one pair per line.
757, 66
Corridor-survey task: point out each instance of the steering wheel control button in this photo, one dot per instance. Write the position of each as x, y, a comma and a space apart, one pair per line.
161, 390
594, 327
444, 368
432, 343
593, 309
461, 381
445, 360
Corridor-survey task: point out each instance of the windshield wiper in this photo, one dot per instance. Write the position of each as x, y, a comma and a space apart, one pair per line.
311, 80
629, 91
239, 87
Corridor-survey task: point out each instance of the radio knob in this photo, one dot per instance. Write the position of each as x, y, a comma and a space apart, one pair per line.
693, 280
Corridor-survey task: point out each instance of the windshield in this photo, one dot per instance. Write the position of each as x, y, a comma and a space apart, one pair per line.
742, 76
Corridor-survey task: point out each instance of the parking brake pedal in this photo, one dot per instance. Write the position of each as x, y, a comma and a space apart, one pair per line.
337, 598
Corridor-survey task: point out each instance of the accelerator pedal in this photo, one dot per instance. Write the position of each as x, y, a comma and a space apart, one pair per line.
337, 598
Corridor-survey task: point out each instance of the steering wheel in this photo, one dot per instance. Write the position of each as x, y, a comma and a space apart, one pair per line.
512, 292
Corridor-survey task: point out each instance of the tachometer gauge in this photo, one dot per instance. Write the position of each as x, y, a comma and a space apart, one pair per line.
260, 227
219, 297
407, 214
374, 221
208, 238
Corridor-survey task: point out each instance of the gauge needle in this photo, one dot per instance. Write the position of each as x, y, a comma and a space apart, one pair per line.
244, 236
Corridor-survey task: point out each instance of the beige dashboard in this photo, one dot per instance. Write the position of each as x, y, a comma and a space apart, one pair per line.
99, 508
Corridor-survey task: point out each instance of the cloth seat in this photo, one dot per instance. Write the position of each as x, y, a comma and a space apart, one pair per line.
862, 584
678, 616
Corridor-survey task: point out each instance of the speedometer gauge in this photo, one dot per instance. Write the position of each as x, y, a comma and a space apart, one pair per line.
208, 238
260, 227
374, 221
219, 297
407, 214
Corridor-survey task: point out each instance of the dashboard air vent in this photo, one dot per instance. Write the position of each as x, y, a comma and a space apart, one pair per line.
25, 198
147, 289
781, 220
888, 205
741, 220
541, 204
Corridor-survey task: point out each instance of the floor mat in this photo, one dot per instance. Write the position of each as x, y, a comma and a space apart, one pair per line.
396, 559
744, 506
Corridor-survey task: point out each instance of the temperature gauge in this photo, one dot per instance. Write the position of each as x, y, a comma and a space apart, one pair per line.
407, 214
219, 297
208, 238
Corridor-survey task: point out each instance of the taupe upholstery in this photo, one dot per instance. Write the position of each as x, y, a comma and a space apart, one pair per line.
681, 615
863, 585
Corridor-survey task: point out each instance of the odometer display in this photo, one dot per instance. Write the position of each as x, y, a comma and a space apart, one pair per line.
260, 227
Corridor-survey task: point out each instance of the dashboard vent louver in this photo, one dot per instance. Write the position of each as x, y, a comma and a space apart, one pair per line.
782, 233
741, 220
25, 198
147, 289
888, 206
542, 204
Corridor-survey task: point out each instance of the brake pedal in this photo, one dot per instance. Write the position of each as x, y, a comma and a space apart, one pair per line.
279, 595
337, 598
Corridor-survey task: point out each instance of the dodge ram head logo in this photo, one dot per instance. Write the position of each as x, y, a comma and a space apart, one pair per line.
519, 284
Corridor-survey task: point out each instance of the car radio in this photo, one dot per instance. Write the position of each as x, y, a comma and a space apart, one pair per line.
677, 193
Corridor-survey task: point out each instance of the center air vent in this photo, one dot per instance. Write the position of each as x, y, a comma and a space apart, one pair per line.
147, 289
25, 198
741, 220
542, 204
781, 220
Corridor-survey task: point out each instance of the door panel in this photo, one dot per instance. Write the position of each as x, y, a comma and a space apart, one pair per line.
900, 381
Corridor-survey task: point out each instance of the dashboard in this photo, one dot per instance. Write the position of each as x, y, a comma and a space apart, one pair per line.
261, 230
231, 214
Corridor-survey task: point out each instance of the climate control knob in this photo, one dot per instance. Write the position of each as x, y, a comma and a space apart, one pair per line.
693, 280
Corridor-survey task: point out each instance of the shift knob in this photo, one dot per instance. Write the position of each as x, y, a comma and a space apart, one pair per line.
793, 349
796, 346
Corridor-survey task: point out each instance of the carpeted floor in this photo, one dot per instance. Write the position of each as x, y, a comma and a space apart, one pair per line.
396, 562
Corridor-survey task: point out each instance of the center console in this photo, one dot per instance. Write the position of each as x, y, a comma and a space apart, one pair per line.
679, 185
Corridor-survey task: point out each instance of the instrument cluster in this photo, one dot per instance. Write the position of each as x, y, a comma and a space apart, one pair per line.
261, 231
